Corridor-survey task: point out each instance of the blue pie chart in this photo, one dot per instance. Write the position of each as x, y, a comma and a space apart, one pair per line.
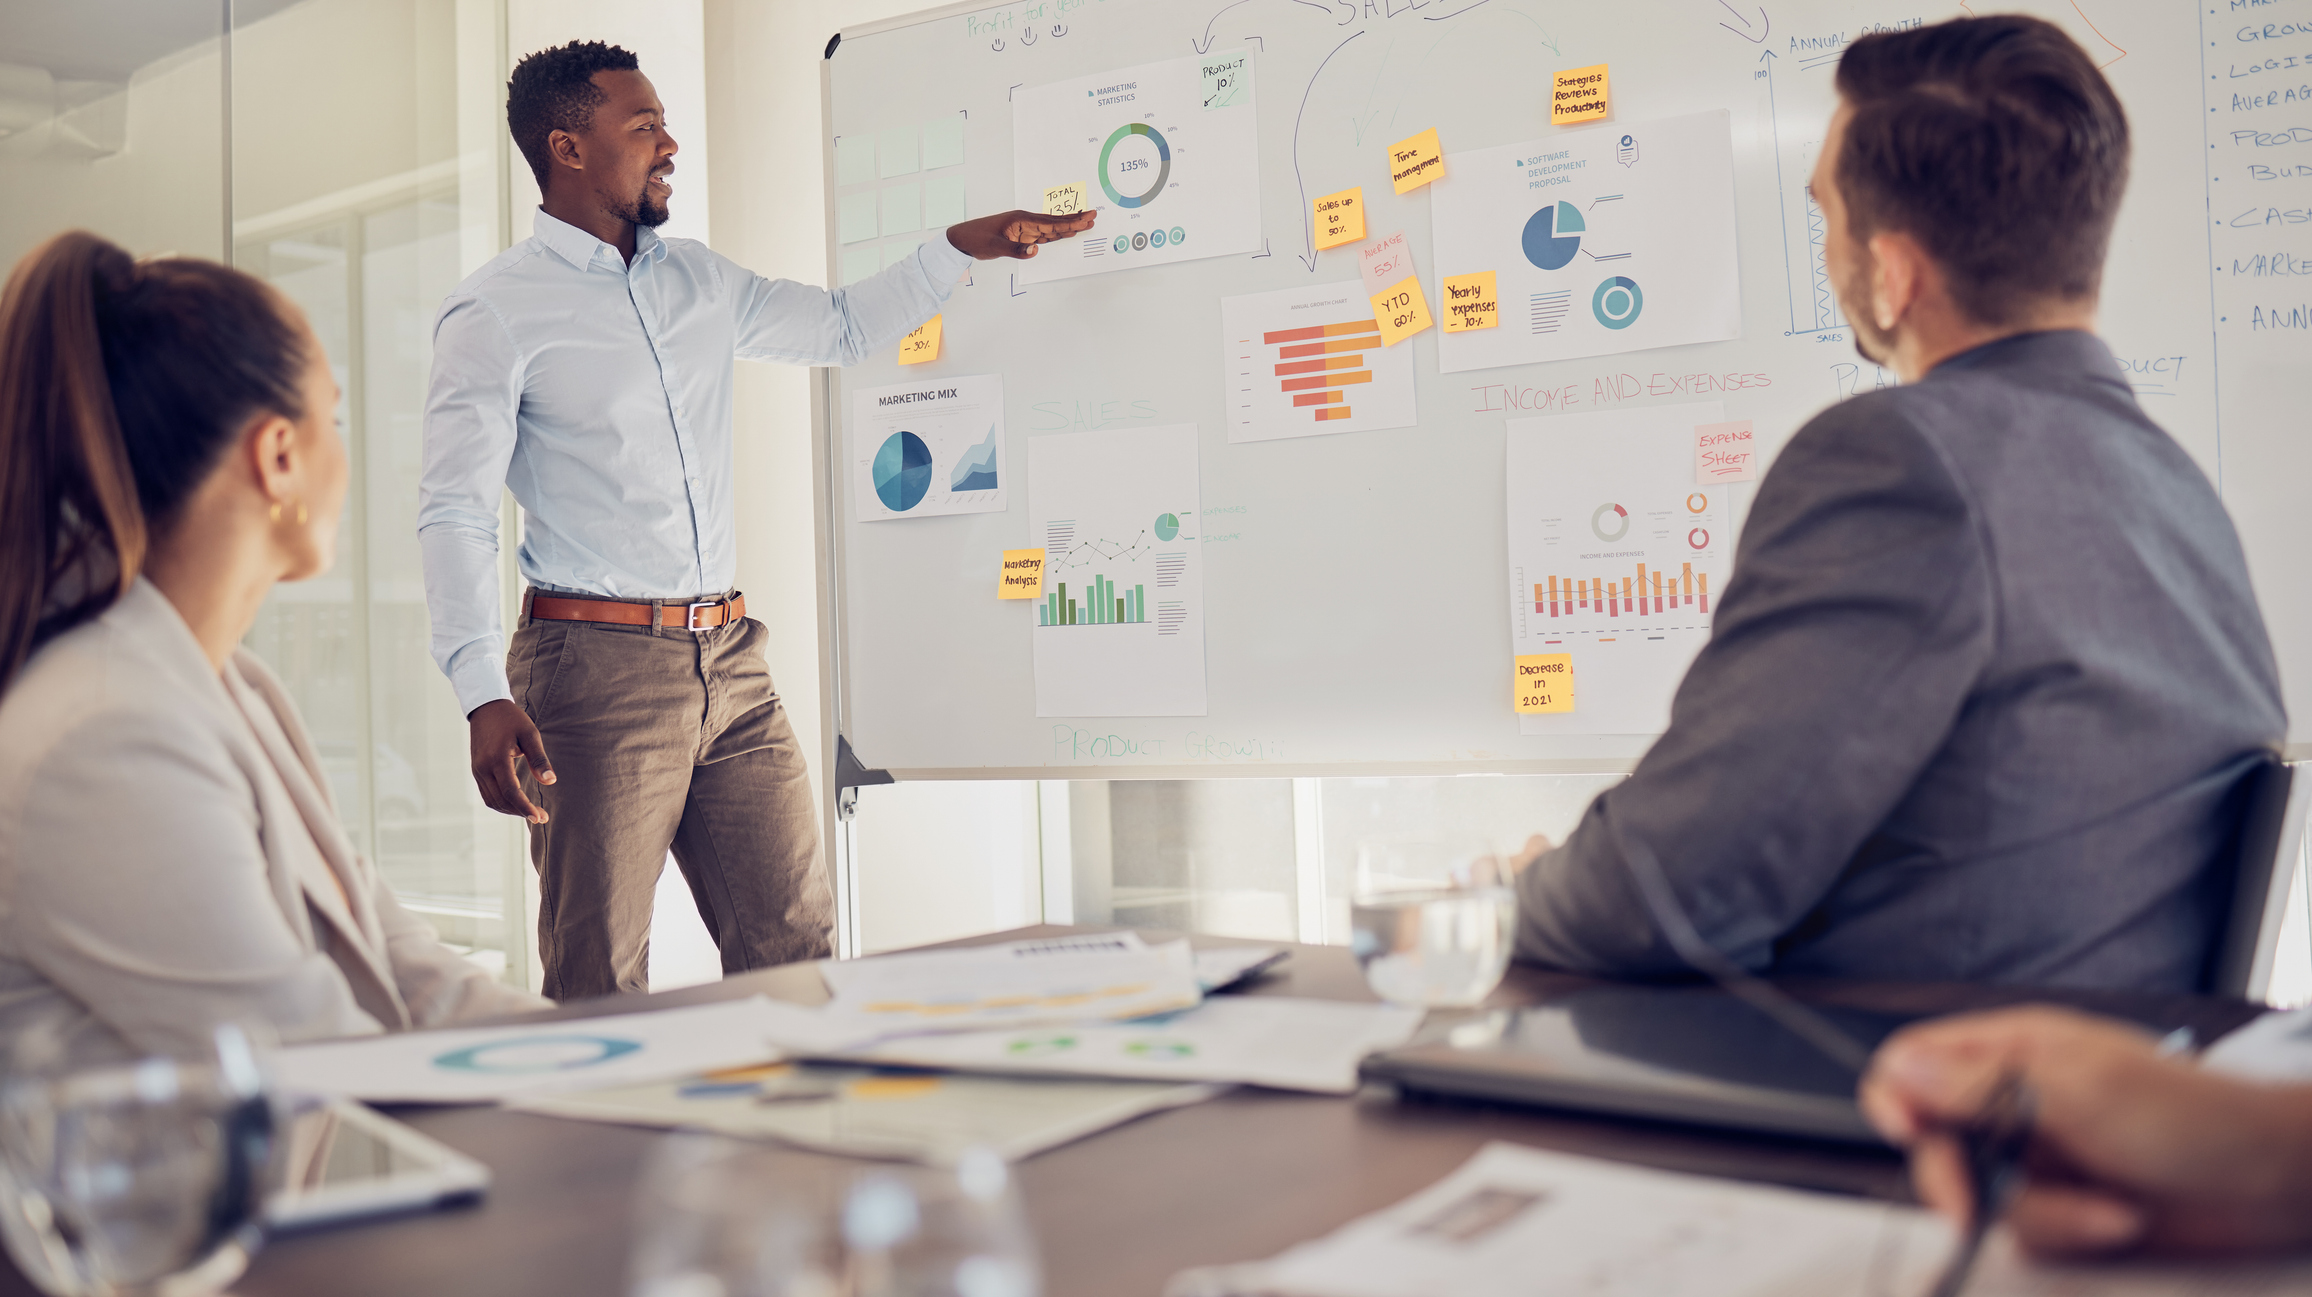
902, 471
1167, 526
1553, 236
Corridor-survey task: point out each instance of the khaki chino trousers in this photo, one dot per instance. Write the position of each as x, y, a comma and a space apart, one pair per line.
665, 739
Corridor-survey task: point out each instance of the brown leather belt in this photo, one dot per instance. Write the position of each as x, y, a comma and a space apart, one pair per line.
706, 615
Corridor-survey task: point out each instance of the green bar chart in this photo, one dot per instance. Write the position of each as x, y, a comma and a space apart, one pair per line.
1098, 602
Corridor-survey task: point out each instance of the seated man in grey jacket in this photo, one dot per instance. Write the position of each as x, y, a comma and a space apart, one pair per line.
1988, 670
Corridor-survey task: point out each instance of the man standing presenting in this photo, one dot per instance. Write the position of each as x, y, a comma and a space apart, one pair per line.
588, 368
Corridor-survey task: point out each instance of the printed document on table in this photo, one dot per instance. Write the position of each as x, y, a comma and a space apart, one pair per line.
1611, 239
1277, 1041
1020, 983
922, 449
868, 1112
1616, 558
1121, 628
1516, 1221
487, 1064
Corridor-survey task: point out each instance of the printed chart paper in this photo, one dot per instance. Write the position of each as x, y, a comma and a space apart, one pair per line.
867, 1112
486, 1064
1302, 361
1272, 1040
1121, 630
919, 450
1614, 558
1066, 980
1172, 179
1605, 240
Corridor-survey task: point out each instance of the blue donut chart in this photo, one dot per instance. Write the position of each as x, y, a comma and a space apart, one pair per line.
1163, 164
1617, 302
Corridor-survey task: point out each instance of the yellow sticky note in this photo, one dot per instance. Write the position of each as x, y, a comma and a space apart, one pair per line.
1064, 200
1416, 161
921, 345
1578, 96
1470, 303
1023, 575
1401, 311
1340, 218
1545, 682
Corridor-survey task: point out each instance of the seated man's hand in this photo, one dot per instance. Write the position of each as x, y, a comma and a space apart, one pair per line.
1014, 234
2129, 1148
498, 732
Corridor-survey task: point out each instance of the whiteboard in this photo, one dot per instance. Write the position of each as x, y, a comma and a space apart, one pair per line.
1356, 591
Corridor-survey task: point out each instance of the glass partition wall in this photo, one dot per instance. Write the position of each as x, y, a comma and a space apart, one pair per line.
352, 153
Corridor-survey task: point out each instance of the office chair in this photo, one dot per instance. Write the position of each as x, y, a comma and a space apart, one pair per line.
2271, 836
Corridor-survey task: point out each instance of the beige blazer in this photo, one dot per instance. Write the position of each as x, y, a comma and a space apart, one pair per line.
170, 859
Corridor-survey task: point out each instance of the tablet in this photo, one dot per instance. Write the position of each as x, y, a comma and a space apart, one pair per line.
1685, 1054
343, 1162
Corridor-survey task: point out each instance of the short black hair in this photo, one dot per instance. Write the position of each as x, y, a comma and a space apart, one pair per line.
553, 90
1997, 144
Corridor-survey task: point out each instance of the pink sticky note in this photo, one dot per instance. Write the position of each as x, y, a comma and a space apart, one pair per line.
1723, 453
1383, 262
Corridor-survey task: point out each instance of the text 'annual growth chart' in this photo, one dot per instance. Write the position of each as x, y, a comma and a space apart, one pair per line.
1604, 240
1121, 628
1616, 558
1174, 171
1303, 361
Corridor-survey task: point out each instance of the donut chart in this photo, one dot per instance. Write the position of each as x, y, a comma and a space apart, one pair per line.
1163, 164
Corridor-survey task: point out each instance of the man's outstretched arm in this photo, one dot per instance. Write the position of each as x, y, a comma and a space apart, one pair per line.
801, 324
1856, 622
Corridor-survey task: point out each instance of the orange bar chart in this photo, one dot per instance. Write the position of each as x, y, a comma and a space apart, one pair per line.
1338, 361
1641, 594
1308, 361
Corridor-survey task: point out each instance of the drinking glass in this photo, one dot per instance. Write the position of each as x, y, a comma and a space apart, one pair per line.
724, 1218
1431, 920
143, 1179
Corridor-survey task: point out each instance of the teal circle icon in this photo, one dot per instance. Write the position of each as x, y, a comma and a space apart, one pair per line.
1179, 235
1167, 526
1617, 302
1123, 243
1155, 238
533, 1054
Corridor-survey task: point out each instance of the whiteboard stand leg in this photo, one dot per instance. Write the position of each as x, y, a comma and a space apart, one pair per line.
1308, 848
1055, 849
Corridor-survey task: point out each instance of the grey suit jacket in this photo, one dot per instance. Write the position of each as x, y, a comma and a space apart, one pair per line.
1987, 670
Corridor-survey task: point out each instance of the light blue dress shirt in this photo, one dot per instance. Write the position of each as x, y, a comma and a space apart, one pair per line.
600, 393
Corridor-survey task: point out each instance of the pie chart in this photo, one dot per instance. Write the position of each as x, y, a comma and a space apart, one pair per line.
1553, 235
902, 471
1167, 526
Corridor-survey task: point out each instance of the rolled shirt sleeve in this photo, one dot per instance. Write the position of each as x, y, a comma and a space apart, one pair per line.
1858, 618
801, 324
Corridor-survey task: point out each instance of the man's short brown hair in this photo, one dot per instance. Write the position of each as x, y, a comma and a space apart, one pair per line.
1996, 144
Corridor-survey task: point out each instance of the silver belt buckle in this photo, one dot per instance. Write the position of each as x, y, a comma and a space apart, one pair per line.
690, 614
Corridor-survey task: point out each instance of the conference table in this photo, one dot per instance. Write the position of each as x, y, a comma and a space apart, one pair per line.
1238, 1178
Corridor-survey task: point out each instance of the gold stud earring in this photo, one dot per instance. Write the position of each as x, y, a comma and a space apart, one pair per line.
274, 513
301, 514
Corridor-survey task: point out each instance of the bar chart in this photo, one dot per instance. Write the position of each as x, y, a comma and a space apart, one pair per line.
1305, 361
1638, 595
1100, 603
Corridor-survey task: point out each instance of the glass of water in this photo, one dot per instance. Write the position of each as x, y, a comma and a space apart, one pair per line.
141, 1179
1431, 920
725, 1218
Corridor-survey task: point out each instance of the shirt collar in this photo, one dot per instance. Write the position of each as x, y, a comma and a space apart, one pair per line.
581, 249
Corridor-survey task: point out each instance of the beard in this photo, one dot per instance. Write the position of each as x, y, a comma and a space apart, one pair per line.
642, 211
1860, 307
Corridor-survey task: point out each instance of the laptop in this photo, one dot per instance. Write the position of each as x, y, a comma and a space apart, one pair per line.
1693, 1055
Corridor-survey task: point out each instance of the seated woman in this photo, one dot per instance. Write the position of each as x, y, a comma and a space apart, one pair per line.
169, 857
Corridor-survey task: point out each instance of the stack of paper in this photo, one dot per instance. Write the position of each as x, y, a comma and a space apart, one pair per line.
1021, 983
1290, 1044
486, 1064
871, 1112
1519, 1221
